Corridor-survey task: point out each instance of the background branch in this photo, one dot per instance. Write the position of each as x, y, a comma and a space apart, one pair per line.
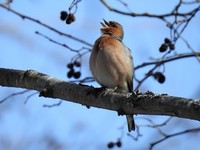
45, 25
173, 135
169, 59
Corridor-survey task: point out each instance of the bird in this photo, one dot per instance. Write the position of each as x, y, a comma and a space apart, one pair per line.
111, 62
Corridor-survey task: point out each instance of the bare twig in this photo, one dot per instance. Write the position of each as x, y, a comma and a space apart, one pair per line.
192, 14
46, 26
7, 3
192, 2
53, 105
174, 12
173, 135
159, 63
155, 125
190, 48
169, 59
137, 136
14, 94
28, 97
63, 45
74, 3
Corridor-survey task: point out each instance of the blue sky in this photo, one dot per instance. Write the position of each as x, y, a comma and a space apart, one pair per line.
73, 125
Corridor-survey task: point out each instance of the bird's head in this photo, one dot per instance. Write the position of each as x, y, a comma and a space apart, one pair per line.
112, 28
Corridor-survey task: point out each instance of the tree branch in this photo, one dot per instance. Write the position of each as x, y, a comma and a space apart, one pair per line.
173, 135
169, 59
130, 103
174, 12
45, 25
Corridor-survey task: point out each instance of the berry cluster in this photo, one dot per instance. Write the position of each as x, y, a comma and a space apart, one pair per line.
72, 72
68, 18
112, 144
159, 76
167, 44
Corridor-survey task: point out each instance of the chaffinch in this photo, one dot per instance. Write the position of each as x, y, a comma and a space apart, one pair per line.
111, 62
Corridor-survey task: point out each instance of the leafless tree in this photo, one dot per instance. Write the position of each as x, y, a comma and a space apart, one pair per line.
147, 103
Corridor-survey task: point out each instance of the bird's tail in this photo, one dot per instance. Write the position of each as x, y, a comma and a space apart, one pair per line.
130, 122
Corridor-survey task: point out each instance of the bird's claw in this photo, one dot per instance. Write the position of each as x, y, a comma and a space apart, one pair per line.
120, 112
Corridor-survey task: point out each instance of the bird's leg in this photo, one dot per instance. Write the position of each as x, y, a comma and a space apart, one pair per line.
107, 91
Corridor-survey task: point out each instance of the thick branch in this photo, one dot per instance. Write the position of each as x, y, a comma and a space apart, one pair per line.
135, 103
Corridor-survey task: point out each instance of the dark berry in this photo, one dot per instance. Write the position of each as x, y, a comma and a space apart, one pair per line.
163, 47
71, 18
119, 144
167, 41
171, 46
63, 15
77, 74
77, 63
159, 77
70, 73
110, 145
70, 65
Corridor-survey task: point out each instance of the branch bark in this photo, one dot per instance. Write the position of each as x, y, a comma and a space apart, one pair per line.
125, 103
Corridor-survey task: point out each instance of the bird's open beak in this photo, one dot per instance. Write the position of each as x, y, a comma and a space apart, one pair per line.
105, 23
